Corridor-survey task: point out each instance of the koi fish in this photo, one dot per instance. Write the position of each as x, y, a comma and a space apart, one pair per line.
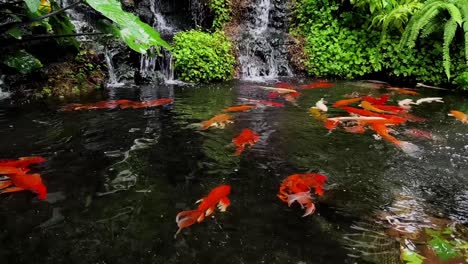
239, 108
407, 147
460, 116
291, 97
22, 163
123, 104
368, 106
246, 137
357, 129
321, 105
278, 90
428, 100
390, 108
217, 197
403, 90
297, 187
356, 118
405, 103
317, 114
20, 181
346, 102
352, 110
218, 121
419, 133
154, 103
267, 103
316, 85
273, 95
380, 101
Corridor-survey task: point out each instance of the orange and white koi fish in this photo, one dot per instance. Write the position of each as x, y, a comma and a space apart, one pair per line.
239, 108
246, 137
20, 181
218, 121
403, 90
321, 105
217, 197
266, 103
460, 116
355, 118
382, 130
278, 90
297, 187
368, 106
346, 102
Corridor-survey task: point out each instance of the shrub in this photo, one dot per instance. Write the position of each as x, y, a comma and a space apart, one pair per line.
222, 12
203, 57
462, 80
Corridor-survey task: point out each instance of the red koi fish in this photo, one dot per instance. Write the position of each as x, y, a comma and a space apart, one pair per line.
377, 101
20, 181
414, 132
22, 163
123, 104
217, 196
315, 85
284, 85
273, 95
296, 188
246, 137
389, 108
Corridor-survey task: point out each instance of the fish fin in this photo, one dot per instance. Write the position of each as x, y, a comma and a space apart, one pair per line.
223, 204
199, 201
12, 189
209, 211
5, 184
310, 209
186, 218
201, 217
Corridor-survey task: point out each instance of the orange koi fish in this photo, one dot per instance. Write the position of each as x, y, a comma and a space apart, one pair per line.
278, 90
379, 101
217, 197
219, 121
403, 90
22, 163
296, 188
344, 102
368, 106
460, 116
357, 111
284, 85
382, 130
389, 108
20, 181
246, 137
267, 103
239, 108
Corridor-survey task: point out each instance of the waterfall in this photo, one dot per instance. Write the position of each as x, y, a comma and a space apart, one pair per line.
148, 62
3, 95
113, 80
263, 52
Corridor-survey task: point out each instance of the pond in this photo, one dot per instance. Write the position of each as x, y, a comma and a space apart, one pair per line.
118, 177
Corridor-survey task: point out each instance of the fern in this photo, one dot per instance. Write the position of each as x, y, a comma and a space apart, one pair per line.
428, 20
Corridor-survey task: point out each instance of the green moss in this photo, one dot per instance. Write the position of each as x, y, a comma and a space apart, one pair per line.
222, 12
203, 57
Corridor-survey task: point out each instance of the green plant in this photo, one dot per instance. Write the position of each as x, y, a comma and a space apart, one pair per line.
203, 57
462, 80
395, 15
430, 17
222, 12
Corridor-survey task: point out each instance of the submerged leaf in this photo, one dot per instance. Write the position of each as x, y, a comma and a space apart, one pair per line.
410, 257
33, 5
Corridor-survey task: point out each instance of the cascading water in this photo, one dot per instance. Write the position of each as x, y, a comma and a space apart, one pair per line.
113, 80
263, 52
148, 62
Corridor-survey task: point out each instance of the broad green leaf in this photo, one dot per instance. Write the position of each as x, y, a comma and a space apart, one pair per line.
22, 61
33, 5
444, 249
411, 257
15, 32
136, 34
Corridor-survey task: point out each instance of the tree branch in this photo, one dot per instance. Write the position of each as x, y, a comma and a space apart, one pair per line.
9, 24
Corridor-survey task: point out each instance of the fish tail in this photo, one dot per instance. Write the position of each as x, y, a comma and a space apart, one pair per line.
187, 218
410, 149
240, 149
310, 209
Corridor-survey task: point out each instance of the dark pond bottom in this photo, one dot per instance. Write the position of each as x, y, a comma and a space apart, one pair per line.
117, 179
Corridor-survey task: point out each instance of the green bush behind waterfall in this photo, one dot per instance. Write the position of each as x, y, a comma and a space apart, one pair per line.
202, 57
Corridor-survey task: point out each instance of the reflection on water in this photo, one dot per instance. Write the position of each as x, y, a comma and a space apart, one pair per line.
117, 179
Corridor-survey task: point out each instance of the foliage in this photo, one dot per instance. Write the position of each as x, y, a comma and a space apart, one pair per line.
462, 80
339, 44
411, 257
22, 61
222, 12
203, 57
396, 15
137, 35
445, 244
430, 17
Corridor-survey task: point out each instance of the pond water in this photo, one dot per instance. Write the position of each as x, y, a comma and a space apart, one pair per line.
117, 179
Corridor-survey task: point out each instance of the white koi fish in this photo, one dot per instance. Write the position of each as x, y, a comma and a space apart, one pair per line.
321, 105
